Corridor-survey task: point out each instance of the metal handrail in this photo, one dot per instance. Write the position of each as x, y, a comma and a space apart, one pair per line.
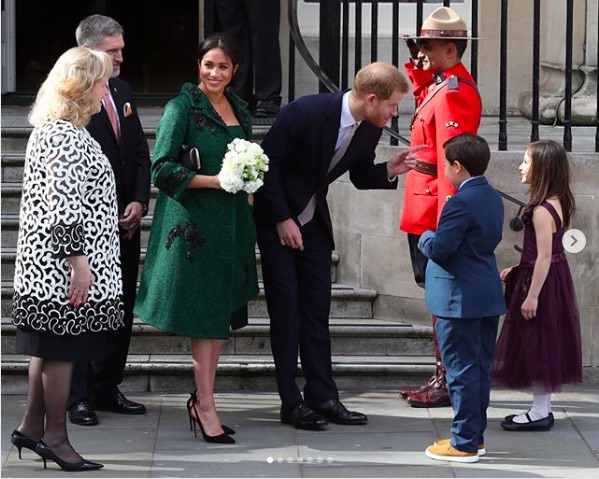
516, 223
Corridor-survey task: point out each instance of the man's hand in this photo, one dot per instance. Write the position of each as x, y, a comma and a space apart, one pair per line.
290, 235
403, 162
131, 218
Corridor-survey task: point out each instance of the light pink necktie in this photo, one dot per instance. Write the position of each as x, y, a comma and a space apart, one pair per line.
308, 213
112, 116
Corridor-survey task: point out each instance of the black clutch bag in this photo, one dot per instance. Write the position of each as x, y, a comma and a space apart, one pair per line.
189, 157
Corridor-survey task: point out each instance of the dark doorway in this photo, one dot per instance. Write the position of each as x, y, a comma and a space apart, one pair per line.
161, 38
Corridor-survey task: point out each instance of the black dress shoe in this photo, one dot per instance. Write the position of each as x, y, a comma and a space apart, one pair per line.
267, 108
302, 417
336, 412
82, 414
539, 425
118, 403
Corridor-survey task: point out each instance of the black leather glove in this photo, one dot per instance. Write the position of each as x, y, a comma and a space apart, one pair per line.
412, 46
414, 51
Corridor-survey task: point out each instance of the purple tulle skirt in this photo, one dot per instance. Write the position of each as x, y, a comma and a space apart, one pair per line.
545, 350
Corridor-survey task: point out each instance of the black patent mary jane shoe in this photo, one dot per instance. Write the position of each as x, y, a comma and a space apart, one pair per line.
543, 424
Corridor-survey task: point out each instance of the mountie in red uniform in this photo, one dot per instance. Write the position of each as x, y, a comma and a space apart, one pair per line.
446, 105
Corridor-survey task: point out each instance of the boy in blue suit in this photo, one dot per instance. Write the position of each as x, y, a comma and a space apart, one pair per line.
464, 290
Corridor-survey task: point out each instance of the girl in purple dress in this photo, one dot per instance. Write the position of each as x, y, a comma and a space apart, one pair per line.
539, 346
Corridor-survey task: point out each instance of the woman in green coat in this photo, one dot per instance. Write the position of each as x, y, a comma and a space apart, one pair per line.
200, 267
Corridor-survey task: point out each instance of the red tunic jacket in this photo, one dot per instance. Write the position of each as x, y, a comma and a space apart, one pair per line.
440, 115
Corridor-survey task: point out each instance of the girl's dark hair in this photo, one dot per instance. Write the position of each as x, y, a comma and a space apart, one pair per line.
223, 41
549, 176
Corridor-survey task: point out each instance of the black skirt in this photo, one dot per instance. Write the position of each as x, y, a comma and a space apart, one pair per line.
84, 347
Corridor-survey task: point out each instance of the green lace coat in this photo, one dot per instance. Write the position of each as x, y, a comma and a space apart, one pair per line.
200, 267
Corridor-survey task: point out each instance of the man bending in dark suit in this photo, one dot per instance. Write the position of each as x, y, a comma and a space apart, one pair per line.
119, 132
315, 140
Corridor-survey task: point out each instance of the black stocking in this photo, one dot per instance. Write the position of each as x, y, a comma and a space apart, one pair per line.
32, 424
56, 379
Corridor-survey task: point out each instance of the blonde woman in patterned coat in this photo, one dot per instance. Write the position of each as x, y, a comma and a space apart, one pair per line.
68, 291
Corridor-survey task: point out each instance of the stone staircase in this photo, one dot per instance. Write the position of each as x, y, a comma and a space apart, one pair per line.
367, 353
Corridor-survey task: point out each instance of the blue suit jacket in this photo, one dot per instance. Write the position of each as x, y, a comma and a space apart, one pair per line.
462, 280
300, 146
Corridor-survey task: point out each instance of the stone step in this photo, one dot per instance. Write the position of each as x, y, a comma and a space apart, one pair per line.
347, 302
350, 337
10, 229
161, 373
14, 144
14, 141
11, 198
9, 255
12, 166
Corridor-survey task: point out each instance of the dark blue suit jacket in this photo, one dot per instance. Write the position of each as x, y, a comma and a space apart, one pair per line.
462, 280
300, 146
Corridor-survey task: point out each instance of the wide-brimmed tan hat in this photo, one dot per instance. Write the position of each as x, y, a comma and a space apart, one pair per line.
444, 23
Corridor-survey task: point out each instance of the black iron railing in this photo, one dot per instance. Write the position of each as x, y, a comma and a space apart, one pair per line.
336, 52
328, 84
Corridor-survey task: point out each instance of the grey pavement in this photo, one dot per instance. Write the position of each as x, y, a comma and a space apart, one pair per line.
160, 443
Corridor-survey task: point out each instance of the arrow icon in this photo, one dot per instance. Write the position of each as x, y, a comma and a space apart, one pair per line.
577, 241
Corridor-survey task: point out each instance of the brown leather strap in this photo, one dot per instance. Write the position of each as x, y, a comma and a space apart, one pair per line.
443, 33
437, 89
426, 168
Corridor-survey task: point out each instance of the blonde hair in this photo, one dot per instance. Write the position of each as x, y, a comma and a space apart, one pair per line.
382, 79
65, 92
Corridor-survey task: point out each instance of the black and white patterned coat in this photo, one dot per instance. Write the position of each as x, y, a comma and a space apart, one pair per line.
68, 208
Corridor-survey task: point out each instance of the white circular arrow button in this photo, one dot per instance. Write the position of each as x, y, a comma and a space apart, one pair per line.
574, 241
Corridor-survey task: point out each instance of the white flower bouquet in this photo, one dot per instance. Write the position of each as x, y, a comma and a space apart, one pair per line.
243, 167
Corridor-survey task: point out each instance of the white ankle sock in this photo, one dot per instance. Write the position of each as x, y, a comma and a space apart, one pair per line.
541, 407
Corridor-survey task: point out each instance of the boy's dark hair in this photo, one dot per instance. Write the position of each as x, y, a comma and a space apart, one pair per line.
472, 151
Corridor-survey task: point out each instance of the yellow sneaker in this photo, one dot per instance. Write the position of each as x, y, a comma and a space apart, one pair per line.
447, 452
481, 447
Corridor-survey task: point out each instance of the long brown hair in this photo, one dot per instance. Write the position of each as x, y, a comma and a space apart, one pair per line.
549, 176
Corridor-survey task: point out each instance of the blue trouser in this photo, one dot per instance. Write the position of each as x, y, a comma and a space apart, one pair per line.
467, 347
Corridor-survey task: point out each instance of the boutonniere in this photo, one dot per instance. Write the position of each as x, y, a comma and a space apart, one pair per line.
127, 109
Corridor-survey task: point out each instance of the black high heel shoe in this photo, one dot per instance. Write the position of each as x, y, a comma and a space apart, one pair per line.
223, 438
83, 465
20, 440
191, 401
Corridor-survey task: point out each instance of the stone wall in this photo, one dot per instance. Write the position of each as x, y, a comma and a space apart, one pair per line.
374, 253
